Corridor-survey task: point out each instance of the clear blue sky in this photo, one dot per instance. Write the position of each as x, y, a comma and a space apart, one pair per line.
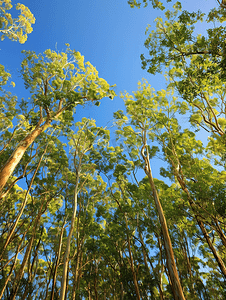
108, 33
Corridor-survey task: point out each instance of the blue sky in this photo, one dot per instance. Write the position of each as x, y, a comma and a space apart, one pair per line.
108, 33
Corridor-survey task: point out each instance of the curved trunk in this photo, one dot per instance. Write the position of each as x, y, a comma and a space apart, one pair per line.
14, 159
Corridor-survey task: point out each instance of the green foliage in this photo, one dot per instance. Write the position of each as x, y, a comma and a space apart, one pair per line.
15, 29
73, 191
194, 63
155, 3
58, 80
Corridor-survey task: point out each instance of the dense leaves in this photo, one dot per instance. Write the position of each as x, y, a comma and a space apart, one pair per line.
143, 219
15, 29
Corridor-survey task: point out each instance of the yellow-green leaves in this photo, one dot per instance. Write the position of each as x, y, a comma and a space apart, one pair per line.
155, 3
4, 76
195, 63
62, 79
15, 29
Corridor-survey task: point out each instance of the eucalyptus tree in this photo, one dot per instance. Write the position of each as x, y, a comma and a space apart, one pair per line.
24, 218
138, 138
195, 67
86, 184
33, 151
153, 119
58, 83
194, 63
60, 203
135, 215
89, 224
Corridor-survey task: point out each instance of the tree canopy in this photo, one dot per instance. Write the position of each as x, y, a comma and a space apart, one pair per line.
16, 29
82, 218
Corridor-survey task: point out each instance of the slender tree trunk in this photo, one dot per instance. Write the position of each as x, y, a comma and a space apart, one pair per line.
22, 207
131, 262
161, 265
179, 175
176, 285
189, 275
58, 260
20, 273
80, 271
220, 232
67, 252
13, 266
89, 292
146, 265
202, 227
30, 269
177, 289
77, 272
21, 270
95, 281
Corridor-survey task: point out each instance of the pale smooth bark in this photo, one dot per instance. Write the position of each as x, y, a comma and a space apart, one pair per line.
20, 273
175, 281
58, 260
14, 159
7, 170
23, 206
180, 178
67, 252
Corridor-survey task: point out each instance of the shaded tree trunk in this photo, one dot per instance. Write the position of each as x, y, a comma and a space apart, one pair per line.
131, 262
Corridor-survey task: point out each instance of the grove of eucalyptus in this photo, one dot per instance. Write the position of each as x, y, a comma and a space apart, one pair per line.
81, 219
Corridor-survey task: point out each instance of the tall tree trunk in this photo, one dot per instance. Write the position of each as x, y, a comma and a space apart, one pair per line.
67, 252
13, 265
176, 285
131, 262
58, 260
7, 170
20, 273
201, 224
95, 280
23, 206
78, 268
180, 177
31, 276
145, 255
14, 159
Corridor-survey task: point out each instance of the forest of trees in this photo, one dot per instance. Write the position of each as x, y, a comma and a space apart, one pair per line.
92, 222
